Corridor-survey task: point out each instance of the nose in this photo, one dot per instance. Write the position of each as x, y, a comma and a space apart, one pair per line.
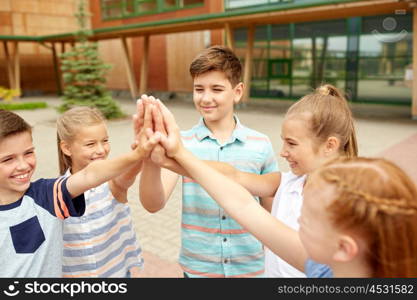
284, 152
22, 164
100, 148
205, 97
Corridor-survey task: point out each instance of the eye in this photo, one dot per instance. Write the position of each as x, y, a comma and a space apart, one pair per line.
30, 152
90, 144
9, 159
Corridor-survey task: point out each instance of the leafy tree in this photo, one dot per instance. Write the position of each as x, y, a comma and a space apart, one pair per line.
84, 73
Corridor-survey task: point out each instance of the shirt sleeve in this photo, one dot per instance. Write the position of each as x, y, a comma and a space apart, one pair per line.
316, 270
270, 163
53, 195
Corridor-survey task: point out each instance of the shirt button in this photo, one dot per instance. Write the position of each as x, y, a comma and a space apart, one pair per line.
223, 217
225, 260
224, 240
221, 148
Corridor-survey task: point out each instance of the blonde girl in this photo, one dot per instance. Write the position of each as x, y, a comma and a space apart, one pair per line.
103, 242
358, 219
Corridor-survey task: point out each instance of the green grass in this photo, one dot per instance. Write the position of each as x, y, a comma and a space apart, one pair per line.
20, 106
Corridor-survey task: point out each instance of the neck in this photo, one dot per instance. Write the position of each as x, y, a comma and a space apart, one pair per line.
8, 197
222, 129
355, 268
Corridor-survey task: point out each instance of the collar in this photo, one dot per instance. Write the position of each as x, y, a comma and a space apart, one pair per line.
239, 133
297, 184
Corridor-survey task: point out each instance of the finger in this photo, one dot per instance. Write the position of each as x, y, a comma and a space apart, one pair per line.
149, 132
134, 145
148, 116
152, 99
152, 141
168, 117
158, 120
140, 110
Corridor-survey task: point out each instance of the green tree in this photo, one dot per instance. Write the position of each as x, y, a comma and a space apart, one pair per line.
84, 73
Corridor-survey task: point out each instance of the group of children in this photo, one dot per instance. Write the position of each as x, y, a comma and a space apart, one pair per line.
332, 214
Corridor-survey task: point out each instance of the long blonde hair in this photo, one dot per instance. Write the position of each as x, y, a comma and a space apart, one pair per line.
377, 201
67, 126
330, 116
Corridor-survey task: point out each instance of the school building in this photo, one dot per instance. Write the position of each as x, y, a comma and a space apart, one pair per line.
365, 47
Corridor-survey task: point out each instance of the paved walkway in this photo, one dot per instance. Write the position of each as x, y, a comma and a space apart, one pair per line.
381, 130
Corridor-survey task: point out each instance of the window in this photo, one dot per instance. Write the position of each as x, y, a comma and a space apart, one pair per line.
385, 53
116, 9
232, 4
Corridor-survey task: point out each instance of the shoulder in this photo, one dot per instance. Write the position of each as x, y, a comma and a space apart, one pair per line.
289, 179
254, 135
41, 184
316, 270
189, 133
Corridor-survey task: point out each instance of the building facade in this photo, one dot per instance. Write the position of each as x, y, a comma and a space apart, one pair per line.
288, 47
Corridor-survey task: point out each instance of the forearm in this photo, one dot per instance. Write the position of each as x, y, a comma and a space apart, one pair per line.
210, 179
264, 185
241, 206
151, 191
100, 171
127, 178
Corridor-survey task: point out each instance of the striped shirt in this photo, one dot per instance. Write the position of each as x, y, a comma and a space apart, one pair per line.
213, 244
102, 243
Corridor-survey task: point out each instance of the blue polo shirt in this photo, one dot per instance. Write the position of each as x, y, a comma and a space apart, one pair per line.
213, 244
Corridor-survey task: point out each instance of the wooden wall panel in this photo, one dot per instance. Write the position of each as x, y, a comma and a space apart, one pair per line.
182, 48
5, 5
111, 53
34, 18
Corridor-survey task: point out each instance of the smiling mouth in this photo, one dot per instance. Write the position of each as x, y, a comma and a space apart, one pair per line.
22, 177
98, 158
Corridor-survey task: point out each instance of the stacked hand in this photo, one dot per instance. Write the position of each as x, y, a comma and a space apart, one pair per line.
155, 130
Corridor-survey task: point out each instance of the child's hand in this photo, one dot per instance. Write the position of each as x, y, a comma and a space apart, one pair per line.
158, 155
172, 140
138, 119
145, 138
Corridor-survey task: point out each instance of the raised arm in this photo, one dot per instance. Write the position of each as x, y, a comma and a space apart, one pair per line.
101, 171
235, 199
119, 185
156, 184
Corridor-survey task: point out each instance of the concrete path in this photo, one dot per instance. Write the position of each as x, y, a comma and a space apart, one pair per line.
381, 130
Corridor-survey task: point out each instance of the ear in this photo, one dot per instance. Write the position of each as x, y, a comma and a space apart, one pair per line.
332, 145
347, 249
65, 148
238, 89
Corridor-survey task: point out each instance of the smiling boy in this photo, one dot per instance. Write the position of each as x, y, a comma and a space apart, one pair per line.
213, 244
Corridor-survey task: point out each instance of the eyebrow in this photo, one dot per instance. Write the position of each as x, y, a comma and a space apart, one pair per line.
13, 154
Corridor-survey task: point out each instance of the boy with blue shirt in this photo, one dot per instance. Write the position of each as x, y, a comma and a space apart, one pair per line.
213, 244
31, 213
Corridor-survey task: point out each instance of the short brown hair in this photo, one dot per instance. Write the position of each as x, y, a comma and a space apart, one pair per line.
11, 124
218, 58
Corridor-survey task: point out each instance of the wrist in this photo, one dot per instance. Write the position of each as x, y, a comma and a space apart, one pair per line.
180, 154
